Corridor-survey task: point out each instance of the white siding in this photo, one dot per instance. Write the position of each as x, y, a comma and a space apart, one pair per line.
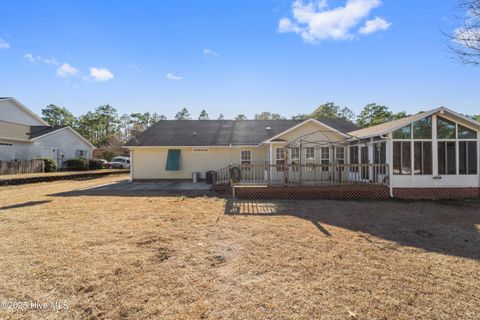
62, 142
11, 112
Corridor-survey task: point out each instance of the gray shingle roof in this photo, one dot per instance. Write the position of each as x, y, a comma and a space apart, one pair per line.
220, 132
16, 131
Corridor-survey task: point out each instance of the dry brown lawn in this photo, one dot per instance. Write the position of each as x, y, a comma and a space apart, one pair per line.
182, 257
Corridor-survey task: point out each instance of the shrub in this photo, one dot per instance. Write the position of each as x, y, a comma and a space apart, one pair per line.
95, 164
50, 165
78, 164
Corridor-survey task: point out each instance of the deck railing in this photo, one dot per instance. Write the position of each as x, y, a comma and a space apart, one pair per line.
306, 174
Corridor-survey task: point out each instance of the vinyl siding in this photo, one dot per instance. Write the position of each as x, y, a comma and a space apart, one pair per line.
149, 163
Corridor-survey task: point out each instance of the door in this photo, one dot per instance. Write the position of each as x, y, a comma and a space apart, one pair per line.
364, 160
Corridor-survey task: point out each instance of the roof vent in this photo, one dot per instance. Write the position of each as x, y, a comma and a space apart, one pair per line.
194, 133
268, 128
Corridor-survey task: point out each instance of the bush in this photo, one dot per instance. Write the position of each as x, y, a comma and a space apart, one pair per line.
95, 164
79, 164
50, 165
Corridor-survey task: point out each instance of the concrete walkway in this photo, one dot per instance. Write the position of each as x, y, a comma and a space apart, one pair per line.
154, 186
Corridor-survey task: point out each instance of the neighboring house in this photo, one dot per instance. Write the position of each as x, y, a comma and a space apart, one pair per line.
434, 152
24, 136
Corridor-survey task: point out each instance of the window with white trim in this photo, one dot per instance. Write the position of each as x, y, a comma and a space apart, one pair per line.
310, 155
340, 155
246, 157
280, 158
325, 157
295, 158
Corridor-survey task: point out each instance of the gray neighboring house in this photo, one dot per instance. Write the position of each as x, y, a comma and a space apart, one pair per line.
25, 136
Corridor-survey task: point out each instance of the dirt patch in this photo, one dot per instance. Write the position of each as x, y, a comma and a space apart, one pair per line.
179, 257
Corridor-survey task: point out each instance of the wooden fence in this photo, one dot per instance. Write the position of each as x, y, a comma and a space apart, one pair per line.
22, 166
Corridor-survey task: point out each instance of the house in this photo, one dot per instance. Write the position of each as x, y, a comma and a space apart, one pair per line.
24, 136
432, 154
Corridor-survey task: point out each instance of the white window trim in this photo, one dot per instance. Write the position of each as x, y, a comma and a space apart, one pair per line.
291, 155
241, 158
314, 155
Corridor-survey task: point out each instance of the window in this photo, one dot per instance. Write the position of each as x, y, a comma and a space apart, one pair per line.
246, 157
340, 155
354, 158
295, 158
422, 152
446, 129
467, 157
465, 133
295, 155
79, 153
403, 133
401, 157
310, 155
422, 129
325, 153
446, 157
280, 158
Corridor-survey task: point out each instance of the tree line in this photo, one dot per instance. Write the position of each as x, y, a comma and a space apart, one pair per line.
104, 127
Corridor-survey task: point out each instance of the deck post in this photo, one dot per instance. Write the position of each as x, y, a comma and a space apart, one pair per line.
301, 163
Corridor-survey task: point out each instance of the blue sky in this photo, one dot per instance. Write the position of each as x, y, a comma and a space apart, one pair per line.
271, 55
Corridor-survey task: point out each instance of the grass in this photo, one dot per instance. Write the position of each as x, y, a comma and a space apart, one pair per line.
184, 257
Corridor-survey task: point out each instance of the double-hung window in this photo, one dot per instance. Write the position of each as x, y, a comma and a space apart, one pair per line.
295, 158
310, 157
340, 155
280, 158
325, 159
246, 157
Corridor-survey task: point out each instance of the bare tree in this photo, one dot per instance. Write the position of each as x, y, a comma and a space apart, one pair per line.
465, 40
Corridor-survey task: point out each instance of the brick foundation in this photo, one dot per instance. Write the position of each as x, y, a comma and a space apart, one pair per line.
436, 193
312, 193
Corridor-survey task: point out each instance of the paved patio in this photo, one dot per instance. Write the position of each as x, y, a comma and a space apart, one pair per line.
125, 185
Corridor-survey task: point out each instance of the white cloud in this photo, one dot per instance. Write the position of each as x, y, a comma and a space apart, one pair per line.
210, 52
31, 58
34, 59
4, 44
66, 70
101, 74
374, 25
171, 76
51, 61
316, 21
